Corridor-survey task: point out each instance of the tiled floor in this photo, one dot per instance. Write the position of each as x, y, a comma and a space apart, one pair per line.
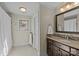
23, 51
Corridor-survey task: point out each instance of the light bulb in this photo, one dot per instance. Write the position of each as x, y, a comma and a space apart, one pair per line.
75, 3
68, 6
22, 9
61, 9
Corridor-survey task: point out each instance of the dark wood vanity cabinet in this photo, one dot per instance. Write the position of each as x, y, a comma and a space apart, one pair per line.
55, 48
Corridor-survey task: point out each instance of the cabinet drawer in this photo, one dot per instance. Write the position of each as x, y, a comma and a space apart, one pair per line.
64, 53
75, 51
64, 47
56, 44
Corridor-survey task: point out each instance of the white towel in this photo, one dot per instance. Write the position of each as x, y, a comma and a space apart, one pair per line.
30, 39
50, 30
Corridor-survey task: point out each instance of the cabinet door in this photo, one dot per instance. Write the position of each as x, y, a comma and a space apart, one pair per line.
75, 52
49, 45
56, 51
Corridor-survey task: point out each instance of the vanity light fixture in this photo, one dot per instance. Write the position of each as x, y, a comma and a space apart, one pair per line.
22, 9
75, 3
68, 6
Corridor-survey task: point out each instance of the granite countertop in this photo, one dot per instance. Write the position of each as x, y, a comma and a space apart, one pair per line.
71, 43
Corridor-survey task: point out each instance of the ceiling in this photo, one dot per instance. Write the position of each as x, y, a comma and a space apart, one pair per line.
13, 7
51, 5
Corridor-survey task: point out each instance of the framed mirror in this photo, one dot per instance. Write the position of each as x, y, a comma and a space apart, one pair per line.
68, 21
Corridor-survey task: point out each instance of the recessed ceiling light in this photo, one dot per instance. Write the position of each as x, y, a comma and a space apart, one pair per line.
22, 9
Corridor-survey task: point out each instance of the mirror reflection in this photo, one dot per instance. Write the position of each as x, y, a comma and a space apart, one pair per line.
68, 21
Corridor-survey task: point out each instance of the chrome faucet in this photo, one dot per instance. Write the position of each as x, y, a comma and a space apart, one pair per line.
68, 37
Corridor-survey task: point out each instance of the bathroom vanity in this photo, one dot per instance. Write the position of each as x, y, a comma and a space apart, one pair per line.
58, 46
66, 22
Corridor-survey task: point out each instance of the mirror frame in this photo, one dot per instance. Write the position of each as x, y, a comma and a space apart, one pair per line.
64, 13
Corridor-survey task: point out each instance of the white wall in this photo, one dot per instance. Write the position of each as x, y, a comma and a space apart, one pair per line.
46, 18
